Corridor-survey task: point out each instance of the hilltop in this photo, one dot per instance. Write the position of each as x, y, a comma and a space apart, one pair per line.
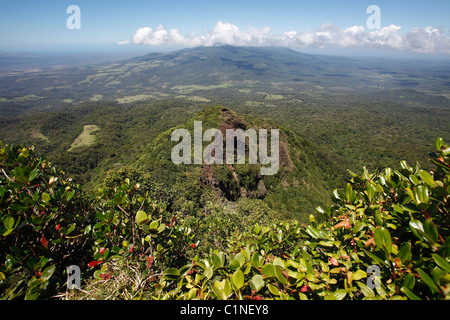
302, 182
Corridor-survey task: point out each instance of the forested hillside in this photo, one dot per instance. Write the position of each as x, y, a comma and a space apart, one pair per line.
87, 178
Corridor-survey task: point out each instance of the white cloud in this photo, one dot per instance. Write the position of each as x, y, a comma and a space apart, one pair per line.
424, 40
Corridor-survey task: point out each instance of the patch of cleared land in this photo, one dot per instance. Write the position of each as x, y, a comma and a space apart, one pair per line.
97, 97
37, 134
86, 138
191, 88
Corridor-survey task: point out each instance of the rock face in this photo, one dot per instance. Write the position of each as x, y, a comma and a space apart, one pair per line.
234, 187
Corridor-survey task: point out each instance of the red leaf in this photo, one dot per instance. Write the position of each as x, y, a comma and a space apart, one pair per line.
57, 227
149, 261
193, 245
44, 242
131, 249
334, 262
94, 263
102, 251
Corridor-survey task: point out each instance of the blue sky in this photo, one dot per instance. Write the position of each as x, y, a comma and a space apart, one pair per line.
33, 25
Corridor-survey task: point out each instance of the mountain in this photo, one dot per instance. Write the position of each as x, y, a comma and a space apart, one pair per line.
302, 180
214, 74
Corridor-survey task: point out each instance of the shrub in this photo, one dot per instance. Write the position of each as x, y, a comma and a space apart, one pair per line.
43, 224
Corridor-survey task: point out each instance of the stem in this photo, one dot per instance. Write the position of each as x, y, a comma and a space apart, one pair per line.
7, 176
132, 224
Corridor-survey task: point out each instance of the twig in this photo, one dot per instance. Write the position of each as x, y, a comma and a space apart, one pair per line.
7, 175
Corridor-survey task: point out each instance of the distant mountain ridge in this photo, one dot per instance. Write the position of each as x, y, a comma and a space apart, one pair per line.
200, 73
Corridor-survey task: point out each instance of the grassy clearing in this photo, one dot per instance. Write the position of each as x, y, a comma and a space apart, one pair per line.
192, 88
86, 138
97, 97
139, 97
37, 134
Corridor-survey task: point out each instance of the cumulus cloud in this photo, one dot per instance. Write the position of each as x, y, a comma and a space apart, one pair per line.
424, 40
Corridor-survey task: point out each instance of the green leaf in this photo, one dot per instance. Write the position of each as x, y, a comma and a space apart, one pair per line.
350, 194
141, 217
338, 194
154, 226
2, 193
234, 264
171, 274
161, 228
208, 272
427, 178
279, 275
257, 260
222, 289
428, 280
316, 233
257, 282
18, 207
422, 194
359, 274
325, 213
441, 262
8, 222
439, 143
33, 174
217, 260
45, 197
409, 281
418, 229
337, 295
245, 254
409, 293
383, 240
375, 258
70, 195
430, 229
48, 272
238, 279
414, 179
240, 258
268, 270
366, 291
274, 290
405, 252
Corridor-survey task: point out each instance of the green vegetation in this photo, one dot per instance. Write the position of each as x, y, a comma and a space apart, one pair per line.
86, 138
393, 219
140, 227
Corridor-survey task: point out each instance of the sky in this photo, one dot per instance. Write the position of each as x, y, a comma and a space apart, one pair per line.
404, 27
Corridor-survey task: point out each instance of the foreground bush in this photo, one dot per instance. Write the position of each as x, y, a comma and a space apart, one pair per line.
385, 237
44, 225
394, 223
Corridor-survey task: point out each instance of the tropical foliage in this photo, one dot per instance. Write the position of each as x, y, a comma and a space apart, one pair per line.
132, 242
